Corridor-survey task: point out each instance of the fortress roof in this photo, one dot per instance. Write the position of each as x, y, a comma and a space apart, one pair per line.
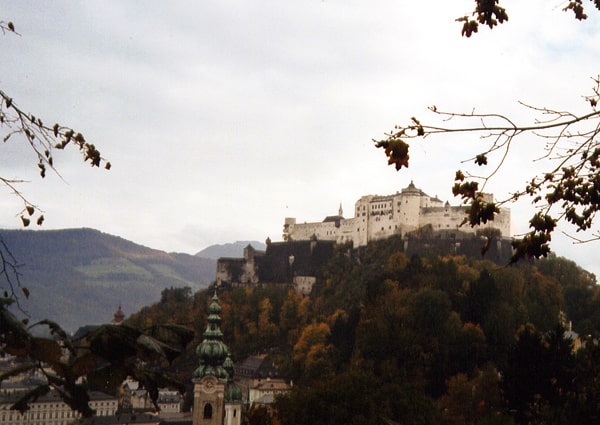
412, 189
333, 218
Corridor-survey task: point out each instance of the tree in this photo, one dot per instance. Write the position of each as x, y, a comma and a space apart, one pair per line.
566, 190
109, 354
346, 398
44, 140
490, 13
468, 401
313, 353
539, 379
102, 359
268, 332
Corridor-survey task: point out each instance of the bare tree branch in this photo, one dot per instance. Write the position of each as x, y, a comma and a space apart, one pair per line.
43, 141
569, 189
9, 270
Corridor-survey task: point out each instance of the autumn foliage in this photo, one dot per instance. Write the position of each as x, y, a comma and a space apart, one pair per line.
386, 337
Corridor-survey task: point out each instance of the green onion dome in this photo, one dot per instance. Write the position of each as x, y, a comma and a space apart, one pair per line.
212, 351
215, 308
228, 365
233, 393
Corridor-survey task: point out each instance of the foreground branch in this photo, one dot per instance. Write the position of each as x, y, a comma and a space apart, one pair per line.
43, 140
568, 190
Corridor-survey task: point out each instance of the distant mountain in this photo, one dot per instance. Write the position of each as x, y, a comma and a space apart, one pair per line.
235, 249
80, 276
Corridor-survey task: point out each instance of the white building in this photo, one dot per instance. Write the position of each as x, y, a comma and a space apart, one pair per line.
378, 217
50, 409
268, 387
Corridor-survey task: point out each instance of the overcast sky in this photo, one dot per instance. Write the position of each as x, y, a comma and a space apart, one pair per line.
221, 118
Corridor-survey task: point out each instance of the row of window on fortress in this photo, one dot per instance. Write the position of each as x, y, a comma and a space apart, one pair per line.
328, 233
375, 212
380, 206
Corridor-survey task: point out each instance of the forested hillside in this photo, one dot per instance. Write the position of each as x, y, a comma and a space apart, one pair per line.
386, 338
78, 277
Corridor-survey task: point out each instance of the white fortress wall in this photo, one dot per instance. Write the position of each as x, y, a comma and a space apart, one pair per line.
502, 222
348, 230
378, 217
304, 231
445, 218
382, 226
453, 218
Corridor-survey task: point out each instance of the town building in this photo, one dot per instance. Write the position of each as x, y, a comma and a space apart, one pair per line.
124, 419
169, 401
135, 398
50, 409
267, 390
257, 376
379, 217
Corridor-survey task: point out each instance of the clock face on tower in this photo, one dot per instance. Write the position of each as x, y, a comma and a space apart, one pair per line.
209, 383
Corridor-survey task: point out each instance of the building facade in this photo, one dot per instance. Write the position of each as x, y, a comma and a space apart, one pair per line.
268, 389
379, 217
50, 409
258, 376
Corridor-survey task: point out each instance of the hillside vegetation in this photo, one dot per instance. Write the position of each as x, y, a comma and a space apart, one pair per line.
78, 277
386, 338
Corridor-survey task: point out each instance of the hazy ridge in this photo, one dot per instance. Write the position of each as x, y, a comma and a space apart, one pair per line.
80, 276
234, 249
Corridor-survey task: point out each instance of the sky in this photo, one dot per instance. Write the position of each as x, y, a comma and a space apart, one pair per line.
221, 118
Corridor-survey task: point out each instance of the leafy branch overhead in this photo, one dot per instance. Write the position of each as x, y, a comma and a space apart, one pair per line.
104, 358
44, 141
568, 190
66, 366
490, 13
18, 126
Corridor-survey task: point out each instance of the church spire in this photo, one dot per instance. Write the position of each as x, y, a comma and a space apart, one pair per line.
217, 398
341, 211
212, 350
119, 316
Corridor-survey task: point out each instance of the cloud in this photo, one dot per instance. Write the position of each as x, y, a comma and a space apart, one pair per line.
221, 118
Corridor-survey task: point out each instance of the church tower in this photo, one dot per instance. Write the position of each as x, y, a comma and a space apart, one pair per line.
119, 316
233, 397
217, 399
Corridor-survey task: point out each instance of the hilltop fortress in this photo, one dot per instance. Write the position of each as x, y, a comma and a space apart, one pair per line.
379, 217
425, 225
